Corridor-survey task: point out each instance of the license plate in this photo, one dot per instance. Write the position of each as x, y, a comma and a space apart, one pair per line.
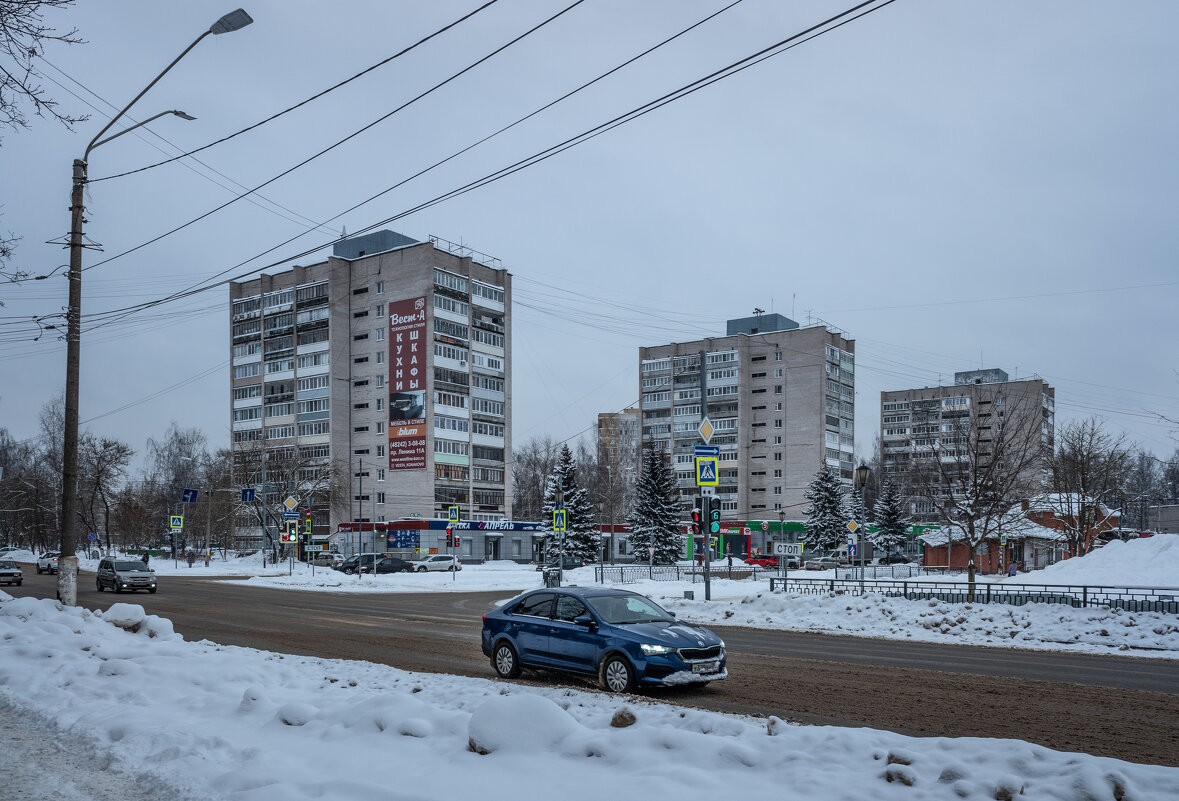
705, 667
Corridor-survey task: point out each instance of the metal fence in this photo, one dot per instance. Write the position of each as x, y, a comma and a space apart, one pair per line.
628, 574
1132, 599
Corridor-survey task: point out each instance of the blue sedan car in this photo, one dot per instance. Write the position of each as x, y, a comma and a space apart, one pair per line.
623, 638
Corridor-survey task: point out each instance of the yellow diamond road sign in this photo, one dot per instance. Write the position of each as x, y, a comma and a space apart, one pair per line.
852, 526
290, 503
706, 429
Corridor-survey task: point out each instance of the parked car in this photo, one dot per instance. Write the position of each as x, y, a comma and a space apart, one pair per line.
391, 564
439, 562
362, 562
10, 572
895, 558
326, 558
48, 562
623, 638
762, 560
821, 563
125, 574
7, 549
565, 563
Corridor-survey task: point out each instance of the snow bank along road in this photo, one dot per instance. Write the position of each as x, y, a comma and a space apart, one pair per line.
1103, 705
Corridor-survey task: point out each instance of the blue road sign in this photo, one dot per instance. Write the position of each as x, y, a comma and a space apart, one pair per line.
290, 515
707, 474
707, 450
189, 496
91, 536
558, 520
453, 514
248, 496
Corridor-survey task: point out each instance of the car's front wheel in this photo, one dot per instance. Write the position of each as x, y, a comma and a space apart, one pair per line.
98, 585
422, 569
152, 590
348, 571
505, 661
617, 675
117, 587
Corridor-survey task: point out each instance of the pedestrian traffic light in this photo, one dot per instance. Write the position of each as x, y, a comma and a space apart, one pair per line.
307, 521
456, 540
449, 539
697, 516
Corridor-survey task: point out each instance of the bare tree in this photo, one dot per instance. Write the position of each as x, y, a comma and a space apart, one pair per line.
975, 476
1088, 464
103, 464
532, 462
1143, 485
23, 37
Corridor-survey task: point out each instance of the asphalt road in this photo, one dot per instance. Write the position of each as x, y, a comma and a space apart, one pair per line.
1113, 706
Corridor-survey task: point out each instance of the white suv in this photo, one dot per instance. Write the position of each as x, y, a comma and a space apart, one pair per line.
439, 562
48, 562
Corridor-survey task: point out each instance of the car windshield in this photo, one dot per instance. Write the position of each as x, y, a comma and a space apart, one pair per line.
621, 609
7, 564
130, 566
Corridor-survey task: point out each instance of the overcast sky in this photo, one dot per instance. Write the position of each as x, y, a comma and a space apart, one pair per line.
953, 184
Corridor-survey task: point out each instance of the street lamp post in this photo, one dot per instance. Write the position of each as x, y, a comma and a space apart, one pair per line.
67, 575
863, 473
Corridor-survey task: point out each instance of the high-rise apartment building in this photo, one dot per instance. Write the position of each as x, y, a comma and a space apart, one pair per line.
939, 422
618, 438
780, 401
377, 383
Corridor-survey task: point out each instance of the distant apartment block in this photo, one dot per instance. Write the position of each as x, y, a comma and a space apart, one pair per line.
781, 402
388, 363
916, 423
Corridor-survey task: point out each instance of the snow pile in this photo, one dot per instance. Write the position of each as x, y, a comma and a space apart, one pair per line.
1145, 562
1034, 626
27, 557
219, 722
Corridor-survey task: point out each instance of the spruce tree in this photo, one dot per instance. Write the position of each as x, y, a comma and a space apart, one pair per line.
826, 522
656, 519
582, 539
892, 524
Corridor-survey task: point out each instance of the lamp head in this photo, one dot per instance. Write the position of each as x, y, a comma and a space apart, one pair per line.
233, 21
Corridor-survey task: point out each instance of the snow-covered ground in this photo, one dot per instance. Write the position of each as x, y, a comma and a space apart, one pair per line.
200, 720
1153, 561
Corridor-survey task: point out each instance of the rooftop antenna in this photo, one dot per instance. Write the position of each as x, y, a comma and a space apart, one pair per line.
793, 301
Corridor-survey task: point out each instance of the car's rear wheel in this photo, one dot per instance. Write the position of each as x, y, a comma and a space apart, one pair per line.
505, 661
405, 570
617, 675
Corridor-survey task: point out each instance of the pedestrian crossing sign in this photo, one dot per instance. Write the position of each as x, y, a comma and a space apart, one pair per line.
707, 474
558, 520
176, 521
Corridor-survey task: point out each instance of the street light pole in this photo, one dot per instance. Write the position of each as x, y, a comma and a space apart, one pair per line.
863, 473
67, 574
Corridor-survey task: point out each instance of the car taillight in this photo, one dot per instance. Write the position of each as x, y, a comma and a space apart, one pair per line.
485, 619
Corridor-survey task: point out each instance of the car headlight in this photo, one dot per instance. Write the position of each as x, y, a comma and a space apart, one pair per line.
651, 650
722, 644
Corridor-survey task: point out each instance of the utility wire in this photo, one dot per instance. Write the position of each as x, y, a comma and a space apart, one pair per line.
347, 138
314, 97
780, 47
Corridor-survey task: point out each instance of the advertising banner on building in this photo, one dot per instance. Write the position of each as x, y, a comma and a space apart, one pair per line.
407, 384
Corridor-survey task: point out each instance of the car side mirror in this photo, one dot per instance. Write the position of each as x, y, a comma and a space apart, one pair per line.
671, 613
585, 620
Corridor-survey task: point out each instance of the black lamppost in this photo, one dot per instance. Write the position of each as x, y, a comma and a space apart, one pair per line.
67, 577
863, 473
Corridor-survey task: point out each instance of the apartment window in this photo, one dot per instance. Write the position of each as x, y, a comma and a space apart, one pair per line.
778, 356
248, 349
380, 335
282, 365
359, 314
488, 338
252, 391
361, 291
777, 440
380, 310
380, 450
444, 423
777, 372
489, 292
451, 446
361, 383
381, 475
360, 360
380, 381
380, 428
359, 337
313, 360
248, 370
380, 495
380, 357
777, 490
360, 405
490, 429
280, 432
380, 404
778, 457
380, 287
778, 423
253, 413
312, 429
451, 305
778, 473
450, 281
777, 389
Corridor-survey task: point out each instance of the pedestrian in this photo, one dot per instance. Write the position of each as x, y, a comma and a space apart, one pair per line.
191, 557
146, 556
1013, 568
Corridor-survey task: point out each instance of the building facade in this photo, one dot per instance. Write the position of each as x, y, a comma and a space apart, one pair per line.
931, 422
779, 399
376, 385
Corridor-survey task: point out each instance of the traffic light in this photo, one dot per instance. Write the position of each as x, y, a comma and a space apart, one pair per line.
307, 521
292, 531
449, 539
714, 516
456, 540
697, 517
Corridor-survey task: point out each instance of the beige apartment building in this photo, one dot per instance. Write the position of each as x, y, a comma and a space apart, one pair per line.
779, 398
388, 366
